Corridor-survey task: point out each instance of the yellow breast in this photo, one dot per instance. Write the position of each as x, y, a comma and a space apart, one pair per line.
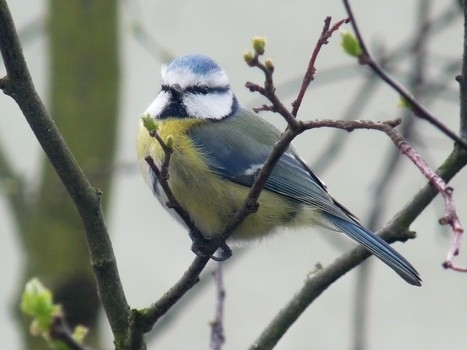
190, 179
210, 200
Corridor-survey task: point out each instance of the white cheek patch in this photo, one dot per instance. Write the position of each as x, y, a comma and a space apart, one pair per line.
159, 103
210, 106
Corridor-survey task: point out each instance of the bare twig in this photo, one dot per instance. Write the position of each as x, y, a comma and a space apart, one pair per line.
437, 86
311, 70
420, 111
59, 330
350, 125
217, 326
162, 177
450, 216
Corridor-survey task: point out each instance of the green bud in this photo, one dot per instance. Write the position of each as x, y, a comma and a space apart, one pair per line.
149, 123
249, 57
404, 103
269, 64
37, 302
79, 333
350, 44
169, 141
259, 43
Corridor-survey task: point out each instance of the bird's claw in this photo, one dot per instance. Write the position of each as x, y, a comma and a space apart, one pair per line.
202, 245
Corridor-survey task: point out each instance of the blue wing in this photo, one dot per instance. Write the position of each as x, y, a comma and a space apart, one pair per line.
243, 142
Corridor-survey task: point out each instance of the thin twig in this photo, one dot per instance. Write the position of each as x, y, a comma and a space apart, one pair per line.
311, 70
162, 177
413, 104
217, 326
61, 331
450, 216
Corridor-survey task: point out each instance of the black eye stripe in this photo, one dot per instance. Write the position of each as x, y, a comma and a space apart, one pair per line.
201, 89
205, 90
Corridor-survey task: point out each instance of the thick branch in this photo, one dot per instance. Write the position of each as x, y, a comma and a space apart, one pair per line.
18, 84
395, 230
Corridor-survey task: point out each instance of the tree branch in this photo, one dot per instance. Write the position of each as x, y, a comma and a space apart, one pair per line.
18, 84
395, 230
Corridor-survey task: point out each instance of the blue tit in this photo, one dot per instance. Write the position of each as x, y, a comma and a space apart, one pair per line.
219, 147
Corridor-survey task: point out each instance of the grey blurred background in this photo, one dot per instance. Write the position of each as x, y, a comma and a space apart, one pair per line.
153, 251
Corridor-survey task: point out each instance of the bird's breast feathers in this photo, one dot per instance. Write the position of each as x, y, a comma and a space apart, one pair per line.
183, 146
210, 198
193, 184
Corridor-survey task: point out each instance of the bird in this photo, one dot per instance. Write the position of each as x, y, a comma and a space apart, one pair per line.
218, 148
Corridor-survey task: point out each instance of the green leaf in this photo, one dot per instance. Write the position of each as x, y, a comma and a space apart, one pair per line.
37, 302
350, 44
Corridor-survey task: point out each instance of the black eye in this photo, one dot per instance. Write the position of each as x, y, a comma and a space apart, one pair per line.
198, 89
203, 90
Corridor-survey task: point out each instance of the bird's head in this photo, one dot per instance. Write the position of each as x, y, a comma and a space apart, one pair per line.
193, 86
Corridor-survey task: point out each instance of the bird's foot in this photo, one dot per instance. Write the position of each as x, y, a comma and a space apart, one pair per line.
203, 247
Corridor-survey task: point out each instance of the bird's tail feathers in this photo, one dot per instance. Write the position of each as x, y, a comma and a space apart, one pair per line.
378, 247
